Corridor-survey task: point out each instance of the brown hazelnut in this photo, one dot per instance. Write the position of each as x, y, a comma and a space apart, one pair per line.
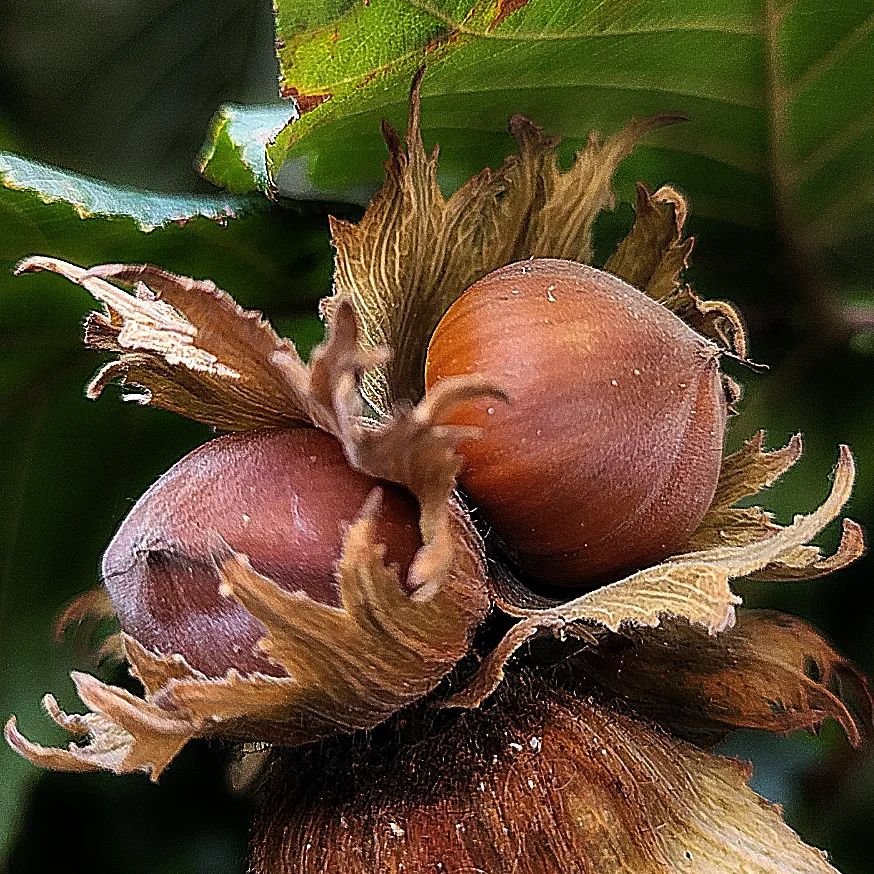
608, 454
282, 498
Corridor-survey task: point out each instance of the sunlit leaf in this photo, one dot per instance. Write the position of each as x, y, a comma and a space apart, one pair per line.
235, 154
263, 254
778, 95
89, 198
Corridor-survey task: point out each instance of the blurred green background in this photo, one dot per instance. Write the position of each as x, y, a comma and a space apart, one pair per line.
123, 90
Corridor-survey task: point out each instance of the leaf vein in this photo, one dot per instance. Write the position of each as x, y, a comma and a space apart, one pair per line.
831, 58
704, 26
840, 141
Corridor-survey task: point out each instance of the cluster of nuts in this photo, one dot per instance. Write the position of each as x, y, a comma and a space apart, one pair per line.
323, 564
603, 461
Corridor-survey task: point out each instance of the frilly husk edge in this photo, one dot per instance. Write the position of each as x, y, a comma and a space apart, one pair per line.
193, 350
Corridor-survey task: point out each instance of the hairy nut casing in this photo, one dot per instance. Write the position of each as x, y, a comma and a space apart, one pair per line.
281, 497
607, 456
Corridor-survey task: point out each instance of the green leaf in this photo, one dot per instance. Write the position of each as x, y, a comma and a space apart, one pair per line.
90, 197
778, 95
821, 108
265, 256
234, 155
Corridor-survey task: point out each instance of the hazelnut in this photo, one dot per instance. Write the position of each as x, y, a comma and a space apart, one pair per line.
608, 455
281, 497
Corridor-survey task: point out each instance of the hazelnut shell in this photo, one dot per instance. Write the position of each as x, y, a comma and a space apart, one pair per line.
608, 454
281, 497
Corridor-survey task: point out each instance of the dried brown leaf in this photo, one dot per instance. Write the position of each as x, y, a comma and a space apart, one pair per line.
808, 563
85, 614
652, 258
697, 592
770, 671
415, 447
753, 468
654, 254
784, 549
744, 473
693, 587
541, 781
123, 733
196, 352
186, 345
512, 595
415, 251
87, 609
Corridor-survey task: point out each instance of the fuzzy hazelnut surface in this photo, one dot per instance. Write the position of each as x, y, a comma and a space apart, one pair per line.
282, 498
608, 454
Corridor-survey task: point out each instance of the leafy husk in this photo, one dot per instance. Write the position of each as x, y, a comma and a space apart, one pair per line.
744, 474
346, 667
184, 345
770, 671
415, 251
653, 257
397, 271
191, 349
